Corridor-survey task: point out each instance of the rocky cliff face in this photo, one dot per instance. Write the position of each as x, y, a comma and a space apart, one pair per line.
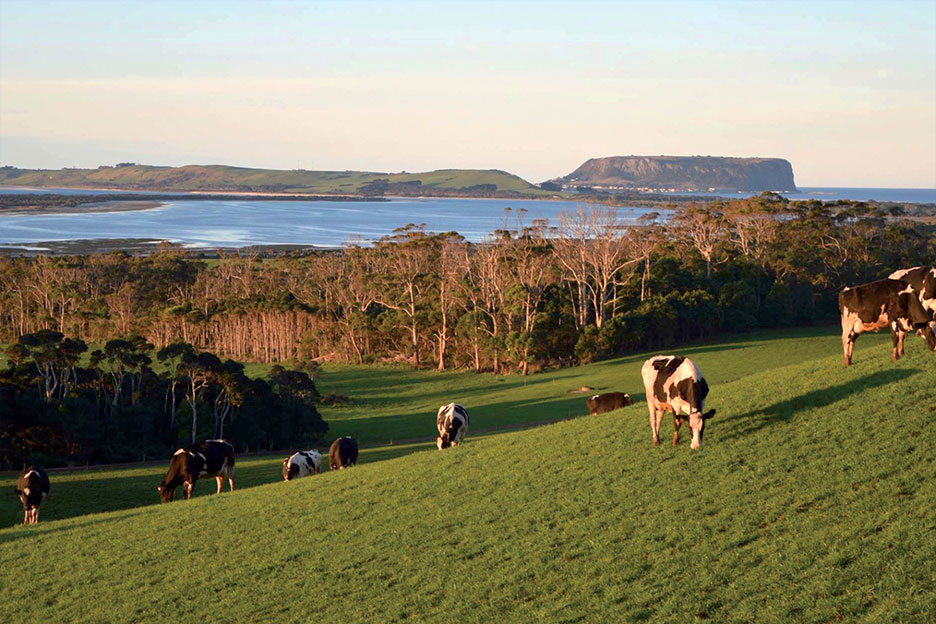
683, 173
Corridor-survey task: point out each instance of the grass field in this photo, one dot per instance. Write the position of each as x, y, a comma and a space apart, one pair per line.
813, 499
225, 178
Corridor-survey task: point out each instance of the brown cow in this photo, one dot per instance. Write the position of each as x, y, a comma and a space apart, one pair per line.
601, 403
876, 305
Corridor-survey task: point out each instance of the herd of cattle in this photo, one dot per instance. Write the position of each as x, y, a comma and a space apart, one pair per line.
905, 302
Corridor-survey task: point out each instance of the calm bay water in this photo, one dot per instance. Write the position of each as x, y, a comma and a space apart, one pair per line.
233, 223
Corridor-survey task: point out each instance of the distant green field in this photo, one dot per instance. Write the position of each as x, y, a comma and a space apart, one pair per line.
813, 499
224, 178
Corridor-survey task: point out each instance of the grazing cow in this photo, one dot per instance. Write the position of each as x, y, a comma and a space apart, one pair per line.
32, 488
302, 464
923, 281
452, 423
342, 453
208, 458
601, 403
876, 305
675, 384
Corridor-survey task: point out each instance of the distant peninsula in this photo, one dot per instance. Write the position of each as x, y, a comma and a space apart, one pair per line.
655, 174
225, 179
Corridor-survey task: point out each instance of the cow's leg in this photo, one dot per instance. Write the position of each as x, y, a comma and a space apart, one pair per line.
655, 425
220, 481
25, 516
897, 339
677, 421
189, 486
900, 342
36, 515
848, 344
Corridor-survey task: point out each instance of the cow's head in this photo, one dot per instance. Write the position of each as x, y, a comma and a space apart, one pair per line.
290, 470
628, 400
166, 491
697, 424
928, 333
443, 442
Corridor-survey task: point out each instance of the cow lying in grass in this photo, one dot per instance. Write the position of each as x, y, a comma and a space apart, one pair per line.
675, 384
302, 464
208, 458
884, 303
342, 453
452, 424
32, 488
610, 401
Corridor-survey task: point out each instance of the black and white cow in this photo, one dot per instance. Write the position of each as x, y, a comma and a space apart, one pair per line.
876, 305
675, 384
208, 458
923, 281
601, 403
32, 487
302, 464
342, 453
452, 424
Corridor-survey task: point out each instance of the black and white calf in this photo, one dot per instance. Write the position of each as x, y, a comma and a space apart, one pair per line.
32, 487
208, 458
923, 281
675, 384
343, 452
884, 303
302, 464
452, 424
610, 401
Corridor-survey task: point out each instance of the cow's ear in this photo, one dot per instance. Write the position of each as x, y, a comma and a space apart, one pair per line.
708, 414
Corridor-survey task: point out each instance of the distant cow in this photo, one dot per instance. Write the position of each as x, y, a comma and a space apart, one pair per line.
923, 281
601, 403
302, 464
208, 458
876, 305
452, 424
32, 487
675, 384
343, 452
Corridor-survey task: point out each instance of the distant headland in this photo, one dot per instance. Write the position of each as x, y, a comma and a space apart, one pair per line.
655, 174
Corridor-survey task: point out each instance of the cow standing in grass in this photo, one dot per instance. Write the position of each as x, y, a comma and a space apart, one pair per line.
675, 384
884, 303
32, 488
208, 458
923, 281
452, 424
342, 453
610, 401
302, 464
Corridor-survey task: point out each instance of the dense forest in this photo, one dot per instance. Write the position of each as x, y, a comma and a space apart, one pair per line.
531, 296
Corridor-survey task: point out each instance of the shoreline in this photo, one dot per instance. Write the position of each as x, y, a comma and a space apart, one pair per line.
116, 205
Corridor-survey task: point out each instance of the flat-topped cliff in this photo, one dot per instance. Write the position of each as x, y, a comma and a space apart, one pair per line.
683, 173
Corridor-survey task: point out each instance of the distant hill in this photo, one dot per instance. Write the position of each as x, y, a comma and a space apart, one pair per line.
681, 173
448, 182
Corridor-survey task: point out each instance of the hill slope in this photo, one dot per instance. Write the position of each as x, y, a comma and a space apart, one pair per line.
812, 499
224, 178
683, 173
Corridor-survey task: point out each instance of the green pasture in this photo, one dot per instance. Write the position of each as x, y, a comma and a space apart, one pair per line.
813, 499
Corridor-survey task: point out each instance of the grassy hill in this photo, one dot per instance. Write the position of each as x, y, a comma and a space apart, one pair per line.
813, 499
224, 178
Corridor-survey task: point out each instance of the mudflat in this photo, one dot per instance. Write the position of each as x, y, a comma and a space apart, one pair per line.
106, 206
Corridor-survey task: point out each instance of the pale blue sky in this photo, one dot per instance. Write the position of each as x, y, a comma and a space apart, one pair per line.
845, 90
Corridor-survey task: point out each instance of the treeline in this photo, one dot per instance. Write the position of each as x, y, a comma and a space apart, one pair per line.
531, 296
61, 404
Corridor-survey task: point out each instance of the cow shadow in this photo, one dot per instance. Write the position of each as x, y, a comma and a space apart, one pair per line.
750, 422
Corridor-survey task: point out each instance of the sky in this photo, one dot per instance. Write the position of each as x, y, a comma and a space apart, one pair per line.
846, 90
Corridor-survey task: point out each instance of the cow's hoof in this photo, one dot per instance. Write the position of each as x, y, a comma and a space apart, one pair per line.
656, 443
